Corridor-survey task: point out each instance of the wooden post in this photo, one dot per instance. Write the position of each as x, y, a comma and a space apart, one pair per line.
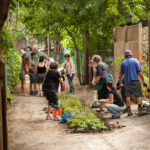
140, 42
1, 121
149, 54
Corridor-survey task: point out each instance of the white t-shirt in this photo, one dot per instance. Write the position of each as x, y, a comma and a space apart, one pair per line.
49, 62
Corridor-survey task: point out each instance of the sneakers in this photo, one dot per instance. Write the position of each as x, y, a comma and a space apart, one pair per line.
31, 93
113, 117
57, 119
35, 92
49, 118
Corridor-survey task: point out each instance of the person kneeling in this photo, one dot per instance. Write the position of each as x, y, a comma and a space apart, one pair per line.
114, 104
50, 89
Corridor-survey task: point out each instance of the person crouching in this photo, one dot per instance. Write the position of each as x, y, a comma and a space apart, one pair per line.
114, 104
50, 89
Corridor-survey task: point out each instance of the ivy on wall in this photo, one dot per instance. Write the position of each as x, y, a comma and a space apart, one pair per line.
11, 58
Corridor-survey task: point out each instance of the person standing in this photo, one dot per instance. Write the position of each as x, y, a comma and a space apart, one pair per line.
23, 54
23, 71
131, 68
50, 89
93, 65
33, 79
41, 70
48, 61
40, 53
70, 71
102, 68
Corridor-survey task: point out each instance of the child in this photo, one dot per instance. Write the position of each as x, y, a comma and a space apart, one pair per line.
62, 85
50, 89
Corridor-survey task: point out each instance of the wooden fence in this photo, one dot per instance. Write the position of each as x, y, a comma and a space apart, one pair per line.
128, 37
3, 109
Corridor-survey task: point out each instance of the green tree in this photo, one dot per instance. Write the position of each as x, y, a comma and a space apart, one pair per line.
89, 24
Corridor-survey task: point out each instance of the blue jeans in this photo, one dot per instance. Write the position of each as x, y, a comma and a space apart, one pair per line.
114, 109
70, 81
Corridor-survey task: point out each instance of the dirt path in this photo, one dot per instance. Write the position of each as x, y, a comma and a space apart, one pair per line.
29, 130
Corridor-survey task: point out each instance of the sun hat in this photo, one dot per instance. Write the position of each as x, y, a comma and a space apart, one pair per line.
128, 53
91, 62
39, 50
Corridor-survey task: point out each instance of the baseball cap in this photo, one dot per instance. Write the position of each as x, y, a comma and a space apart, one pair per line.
128, 53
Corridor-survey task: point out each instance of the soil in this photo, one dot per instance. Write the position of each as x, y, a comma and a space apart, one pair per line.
28, 128
90, 130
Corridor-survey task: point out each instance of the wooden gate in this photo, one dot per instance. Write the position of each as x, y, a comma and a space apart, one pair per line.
128, 37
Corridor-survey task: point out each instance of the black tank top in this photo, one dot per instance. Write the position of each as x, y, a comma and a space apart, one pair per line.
117, 99
41, 69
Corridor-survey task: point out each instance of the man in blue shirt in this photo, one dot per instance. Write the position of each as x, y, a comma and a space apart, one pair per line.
131, 68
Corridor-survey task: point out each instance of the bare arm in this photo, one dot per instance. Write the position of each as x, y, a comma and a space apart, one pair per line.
110, 100
96, 80
141, 75
46, 68
60, 80
26, 70
31, 67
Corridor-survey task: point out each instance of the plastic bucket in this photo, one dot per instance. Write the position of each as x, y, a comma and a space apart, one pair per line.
62, 88
59, 112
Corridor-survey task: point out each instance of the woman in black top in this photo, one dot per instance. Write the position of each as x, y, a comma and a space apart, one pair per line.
41, 70
114, 104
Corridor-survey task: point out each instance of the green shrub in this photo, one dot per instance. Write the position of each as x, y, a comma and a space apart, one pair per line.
76, 122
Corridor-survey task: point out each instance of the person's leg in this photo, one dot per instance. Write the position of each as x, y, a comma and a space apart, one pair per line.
105, 92
30, 87
140, 111
22, 86
71, 83
49, 109
128, 103
35, 86
40, 87
56, 111
128, 94
113, 109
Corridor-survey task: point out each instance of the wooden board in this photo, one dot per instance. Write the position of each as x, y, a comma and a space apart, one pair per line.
1, 121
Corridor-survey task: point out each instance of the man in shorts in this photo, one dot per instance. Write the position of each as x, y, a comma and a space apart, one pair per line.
131, 68
48, 61
33, 79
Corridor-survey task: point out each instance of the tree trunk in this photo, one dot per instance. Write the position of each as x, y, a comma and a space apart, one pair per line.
54, 45
98, 48
49, 45
103, 50
86, 57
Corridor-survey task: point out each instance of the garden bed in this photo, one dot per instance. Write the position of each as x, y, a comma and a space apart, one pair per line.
83, 120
